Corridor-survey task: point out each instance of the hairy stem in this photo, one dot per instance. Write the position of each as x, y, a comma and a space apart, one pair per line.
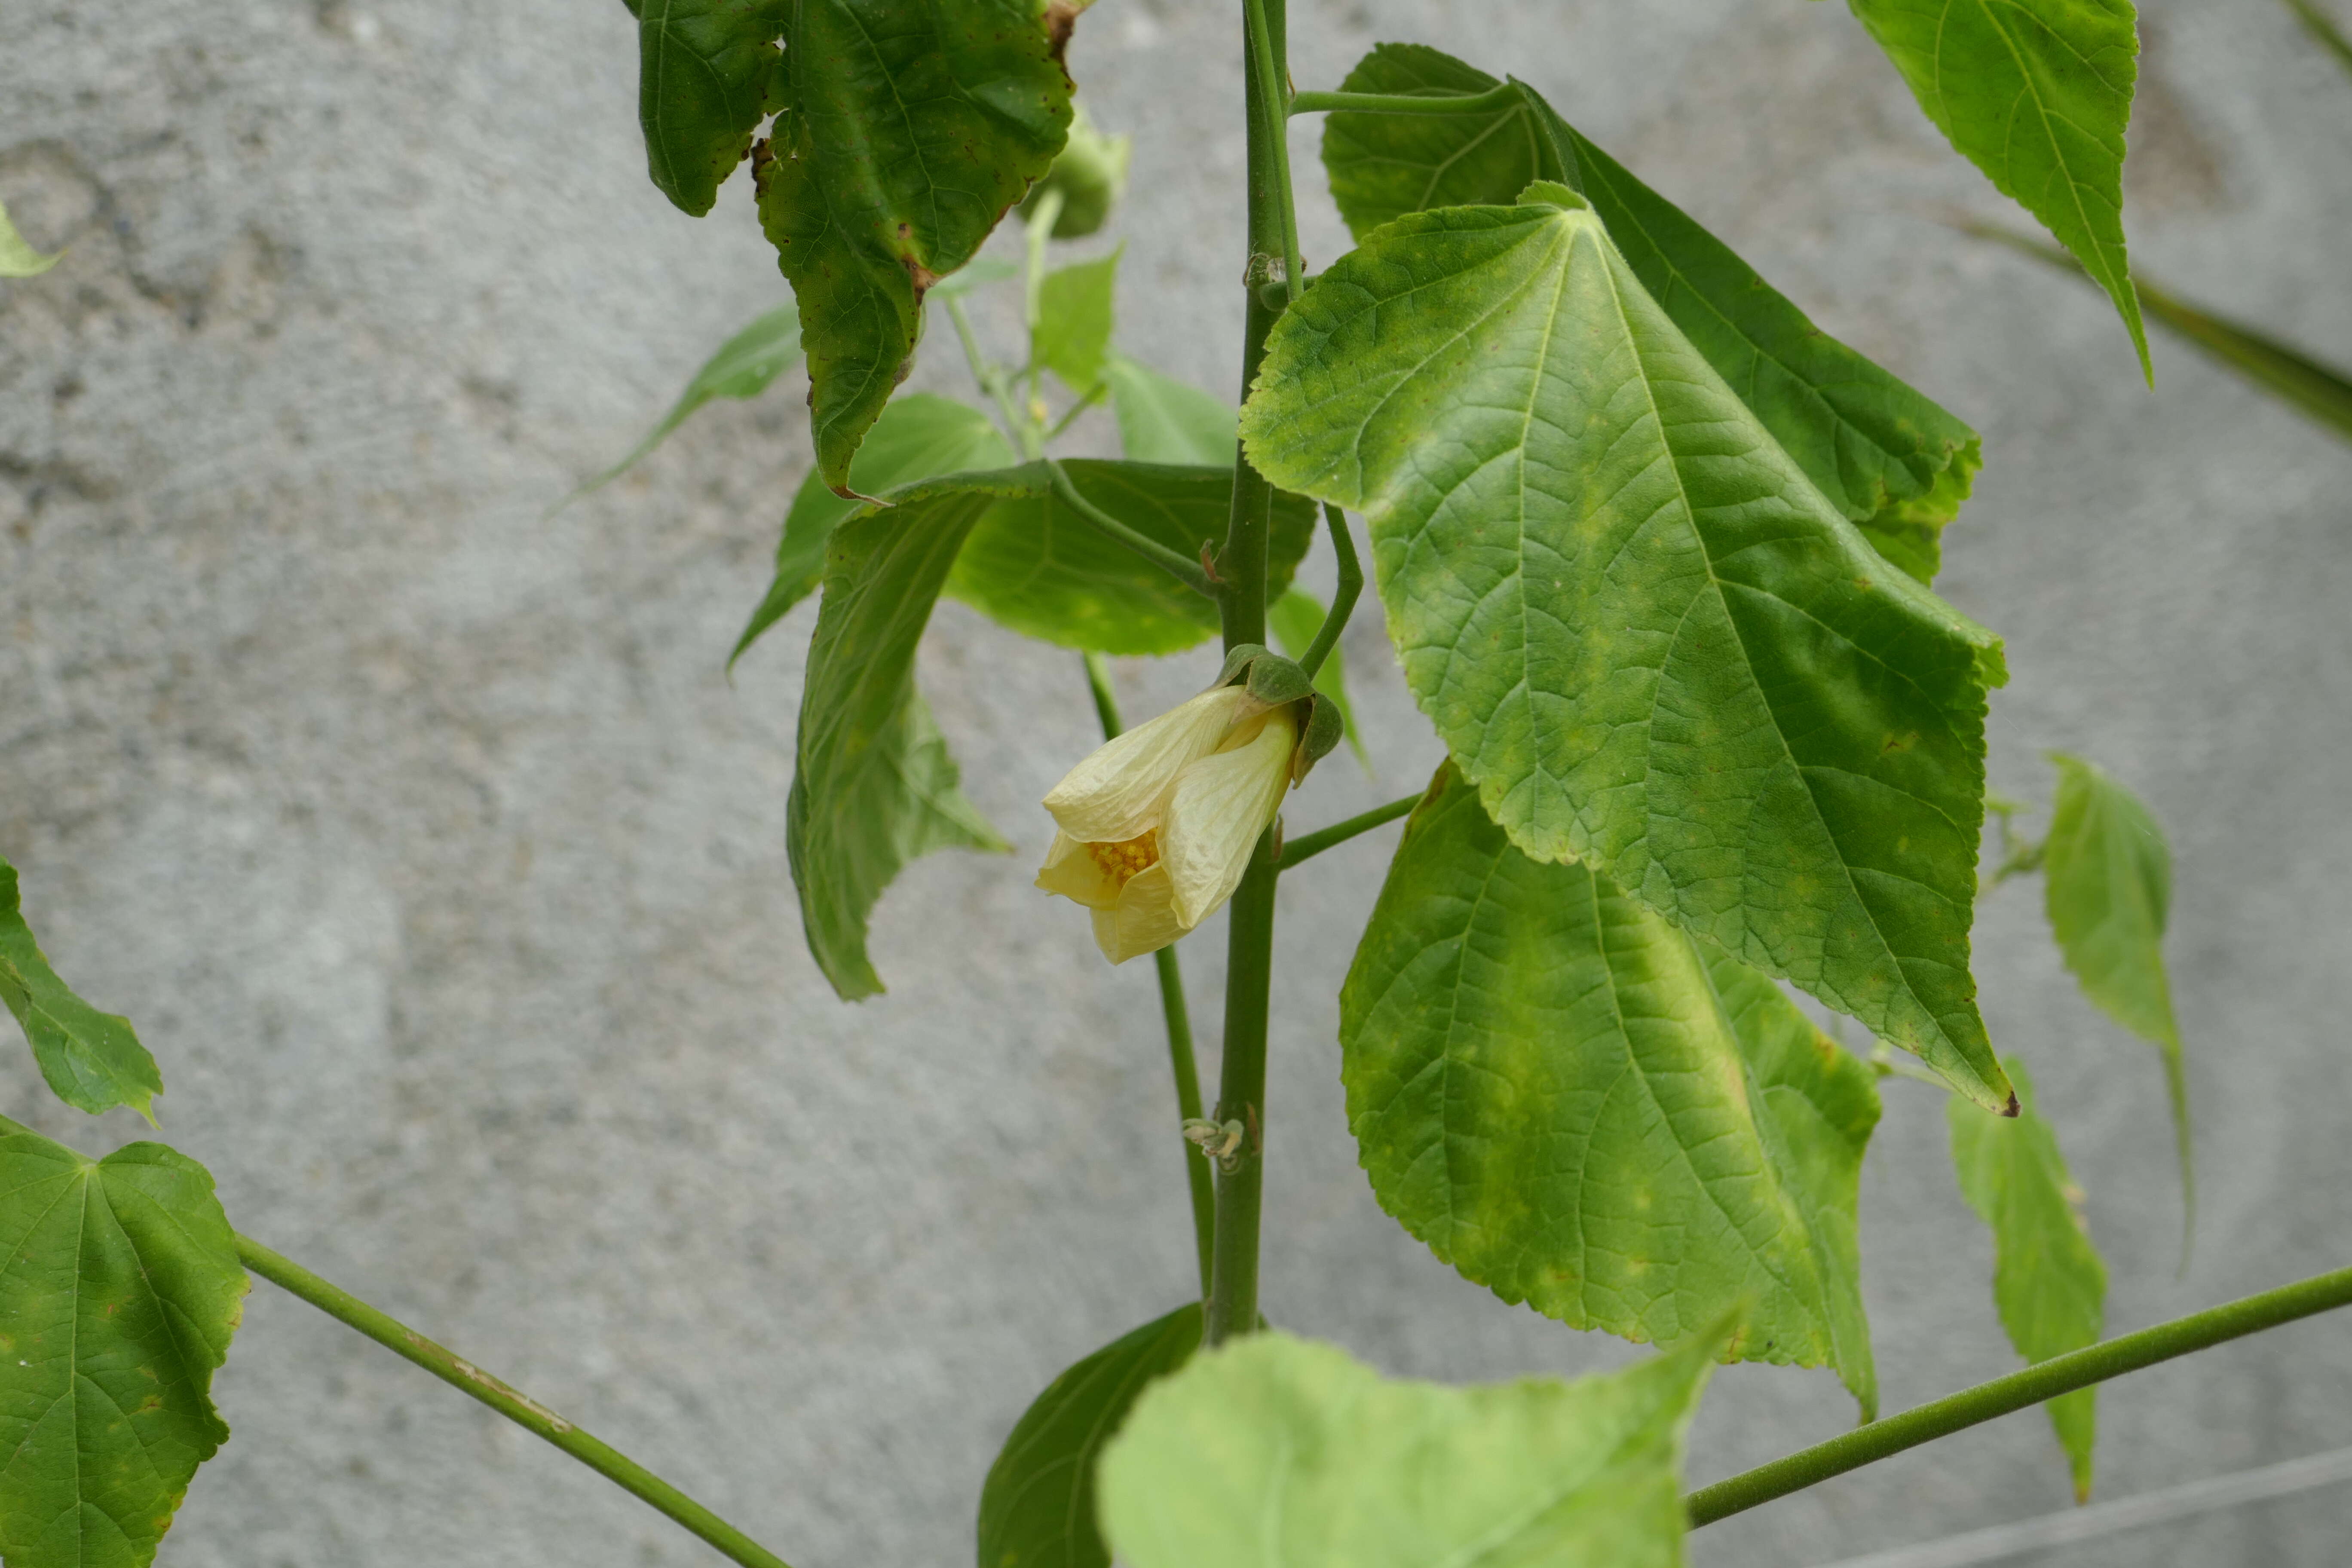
2042, 1381
1173, 1009
1308, 846
530, 1415
1343, 600
1501, 97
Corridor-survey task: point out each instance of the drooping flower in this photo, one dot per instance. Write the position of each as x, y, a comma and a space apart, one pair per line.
1158, 824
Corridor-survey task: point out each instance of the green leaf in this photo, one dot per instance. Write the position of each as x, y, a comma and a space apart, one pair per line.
1037, 1509
2108, 886
915, 125
1640, 630
1294, 618
708, 72
2324, 30
874, 787
2036, 93
120, 1293
92, 1060
1036, 566
2048, 1281
1581, 1108
743, 367
1282, 1453
920, 436
1164, 420
1886, 457
17, 257
1073, 335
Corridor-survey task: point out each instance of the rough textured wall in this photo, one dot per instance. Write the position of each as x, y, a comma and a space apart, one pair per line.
445, 872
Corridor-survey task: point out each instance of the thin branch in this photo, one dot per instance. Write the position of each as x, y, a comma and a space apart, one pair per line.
1313, 844
527, 1414
991, 379
1503, 97
1177, 565
2033, 1385
1343, 599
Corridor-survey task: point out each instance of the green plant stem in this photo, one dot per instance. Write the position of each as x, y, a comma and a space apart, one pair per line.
1041, 230
1241, 1097
1343, 599
1274, 110
992, 382
1172, 1008
2322, 26
1501, 97
1309, 844
2044, 1380
1182, 567
530, 1415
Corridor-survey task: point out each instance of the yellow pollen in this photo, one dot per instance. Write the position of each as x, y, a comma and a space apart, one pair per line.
1122, 860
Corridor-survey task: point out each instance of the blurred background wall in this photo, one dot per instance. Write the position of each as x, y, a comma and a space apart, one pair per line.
444, 871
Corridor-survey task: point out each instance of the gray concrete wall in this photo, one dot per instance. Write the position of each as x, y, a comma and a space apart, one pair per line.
444, 873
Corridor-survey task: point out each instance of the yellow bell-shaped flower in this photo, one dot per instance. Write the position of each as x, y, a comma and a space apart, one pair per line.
1157, 826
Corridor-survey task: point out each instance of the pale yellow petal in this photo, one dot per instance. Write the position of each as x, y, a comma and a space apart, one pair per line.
1216, 813
1070, 871
1118, 792
1145, 920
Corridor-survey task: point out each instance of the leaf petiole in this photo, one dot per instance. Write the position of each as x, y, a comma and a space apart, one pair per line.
1307, 846
1176, 565
1343, 598
1503, 97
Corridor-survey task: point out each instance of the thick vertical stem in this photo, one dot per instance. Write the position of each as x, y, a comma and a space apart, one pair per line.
1241, 571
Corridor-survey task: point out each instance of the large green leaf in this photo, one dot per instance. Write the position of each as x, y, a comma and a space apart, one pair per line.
1581, 1108
1640, 630
708, 72
92, 1060
2108, 884
915, 125
1294, 619
1074, 319
1037, 1509
745, 366
874, 787
1036, 566
920, 436
2048, 1281
119, 1287
2036, 93
1164, 420
1886, 457
1277, 1452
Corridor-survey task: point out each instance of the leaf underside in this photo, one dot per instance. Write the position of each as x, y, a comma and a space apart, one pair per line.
2035, 93
2048, 1281
92, 1060
1164, 420
1888, 457
1037, 1507
1284, 1453
1579, 1107
914, 125
1642, 632
118, 1294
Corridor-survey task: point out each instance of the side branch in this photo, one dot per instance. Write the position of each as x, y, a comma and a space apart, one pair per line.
1308, 846
530, 1415
2044, 1380
1503, 97
1176, 565
1343, 601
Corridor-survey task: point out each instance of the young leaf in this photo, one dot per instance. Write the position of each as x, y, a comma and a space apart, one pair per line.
1034, 565
920, 436
1073, 335
1037, 1509
915, 125
1581, 1108
708, 72
2108, 886
1164, 420
1273, 1451
117, 1299
2048, 1281
1639, 628
17, 257
2036, 93
874, 787
1294, 618
1885, 456
743, 367
92, 1060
